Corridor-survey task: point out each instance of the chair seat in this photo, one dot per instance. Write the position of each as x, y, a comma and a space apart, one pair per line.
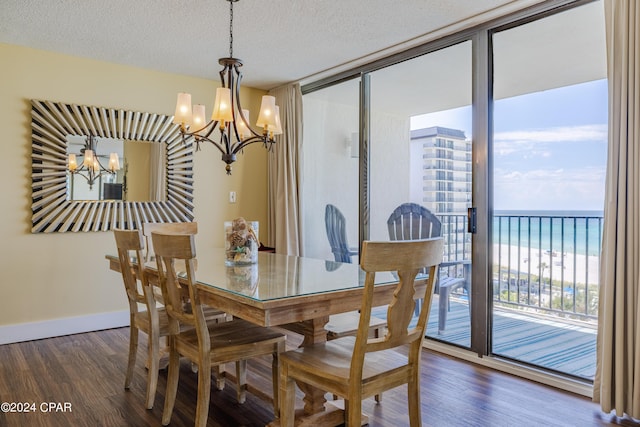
331, 361
345, 324
451, 282
228, 337
142, 319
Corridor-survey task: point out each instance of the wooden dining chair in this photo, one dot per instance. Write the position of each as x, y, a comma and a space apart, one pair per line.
152, 320
166, 228
205, 345
358, 367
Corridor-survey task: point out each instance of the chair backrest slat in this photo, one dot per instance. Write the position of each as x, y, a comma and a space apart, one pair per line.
130, 245
166, 228
171, 251
407, 259
410, 221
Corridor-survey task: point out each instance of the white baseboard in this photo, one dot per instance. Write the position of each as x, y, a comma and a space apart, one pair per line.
65, 326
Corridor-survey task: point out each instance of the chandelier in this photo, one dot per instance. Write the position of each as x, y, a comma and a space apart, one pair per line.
228, 116
91, 168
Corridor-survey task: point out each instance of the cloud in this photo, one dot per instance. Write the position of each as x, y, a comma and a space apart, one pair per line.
535, 142
556, 189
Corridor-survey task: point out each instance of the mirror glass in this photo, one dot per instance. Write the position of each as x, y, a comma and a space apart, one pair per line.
141, 177
144, 145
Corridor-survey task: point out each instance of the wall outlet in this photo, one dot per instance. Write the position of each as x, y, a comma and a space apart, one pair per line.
232, 196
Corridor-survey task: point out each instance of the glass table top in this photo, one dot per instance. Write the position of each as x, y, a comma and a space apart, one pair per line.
278, 276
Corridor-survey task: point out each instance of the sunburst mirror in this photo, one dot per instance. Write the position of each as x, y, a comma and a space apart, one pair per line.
54, 127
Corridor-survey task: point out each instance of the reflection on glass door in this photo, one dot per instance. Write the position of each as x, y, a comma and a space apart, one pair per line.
329, 191
420, 159
549, 151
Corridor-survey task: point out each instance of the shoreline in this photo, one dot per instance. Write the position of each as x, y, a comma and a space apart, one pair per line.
559, 266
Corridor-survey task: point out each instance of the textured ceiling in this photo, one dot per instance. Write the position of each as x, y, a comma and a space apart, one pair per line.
279, 40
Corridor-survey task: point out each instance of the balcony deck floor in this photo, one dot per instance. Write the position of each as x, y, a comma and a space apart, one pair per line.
551, 342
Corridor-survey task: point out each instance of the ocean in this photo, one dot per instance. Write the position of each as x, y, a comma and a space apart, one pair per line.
578, 232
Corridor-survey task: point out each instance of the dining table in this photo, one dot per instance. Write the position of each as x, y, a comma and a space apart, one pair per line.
293, 292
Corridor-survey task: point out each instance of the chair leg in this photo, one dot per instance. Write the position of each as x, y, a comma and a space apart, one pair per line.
204, 394
241, 375
443, 303
153, 362
413, 398
220, 376
377, 334
133, 349
172, 383
353, 409
287, 398
275, 377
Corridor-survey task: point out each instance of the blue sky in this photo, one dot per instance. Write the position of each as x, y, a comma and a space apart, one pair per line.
549, 147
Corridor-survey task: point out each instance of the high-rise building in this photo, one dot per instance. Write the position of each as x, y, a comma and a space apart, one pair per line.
441, 173
446, 168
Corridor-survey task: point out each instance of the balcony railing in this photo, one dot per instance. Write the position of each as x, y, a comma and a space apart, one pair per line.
549, 263
542, 263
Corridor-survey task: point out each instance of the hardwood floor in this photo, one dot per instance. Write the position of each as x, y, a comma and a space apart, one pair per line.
86, 372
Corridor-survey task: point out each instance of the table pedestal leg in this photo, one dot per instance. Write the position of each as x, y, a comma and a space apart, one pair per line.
313, 332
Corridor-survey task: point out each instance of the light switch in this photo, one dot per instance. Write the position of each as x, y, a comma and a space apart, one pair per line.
232, 196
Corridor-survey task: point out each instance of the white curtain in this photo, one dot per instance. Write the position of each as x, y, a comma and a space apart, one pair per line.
284, 174
617, 381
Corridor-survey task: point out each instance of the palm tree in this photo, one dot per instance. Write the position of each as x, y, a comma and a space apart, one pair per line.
541, 268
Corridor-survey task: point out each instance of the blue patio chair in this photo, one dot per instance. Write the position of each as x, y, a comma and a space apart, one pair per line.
411, 221
337, 234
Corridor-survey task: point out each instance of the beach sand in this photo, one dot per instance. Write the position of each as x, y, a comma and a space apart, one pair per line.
567, 267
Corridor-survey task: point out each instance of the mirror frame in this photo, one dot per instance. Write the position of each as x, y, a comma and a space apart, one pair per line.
51, 122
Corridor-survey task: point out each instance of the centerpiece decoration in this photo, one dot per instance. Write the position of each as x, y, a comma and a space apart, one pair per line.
241, 242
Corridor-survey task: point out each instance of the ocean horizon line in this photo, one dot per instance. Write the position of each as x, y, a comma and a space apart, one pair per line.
549, 212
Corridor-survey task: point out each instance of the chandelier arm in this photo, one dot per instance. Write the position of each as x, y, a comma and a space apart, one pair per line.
90, 171
90, 176
249, 141
194, 134
238, 83
212, 142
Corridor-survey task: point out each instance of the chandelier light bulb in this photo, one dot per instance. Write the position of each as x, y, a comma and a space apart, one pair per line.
88, 158
222, 111
266, 116
183, 109
198, 122
243, 126
114, 162
73, 163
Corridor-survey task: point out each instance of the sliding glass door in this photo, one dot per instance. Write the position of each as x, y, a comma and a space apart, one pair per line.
549, 151
420, 158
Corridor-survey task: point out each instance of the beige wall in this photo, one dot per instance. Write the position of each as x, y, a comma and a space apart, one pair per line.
47, 277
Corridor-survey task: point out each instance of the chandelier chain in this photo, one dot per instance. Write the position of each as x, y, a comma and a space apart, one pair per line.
231, 29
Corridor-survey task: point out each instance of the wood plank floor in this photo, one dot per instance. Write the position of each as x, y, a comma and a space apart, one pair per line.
86, 371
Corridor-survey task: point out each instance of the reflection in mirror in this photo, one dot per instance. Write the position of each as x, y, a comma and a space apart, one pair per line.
53, 210
140, 179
